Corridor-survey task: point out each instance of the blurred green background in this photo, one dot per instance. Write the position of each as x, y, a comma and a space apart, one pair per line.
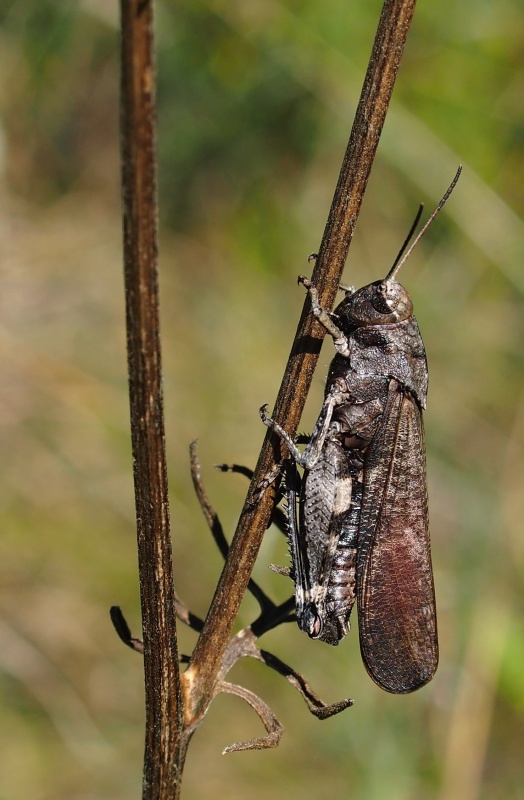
256, 99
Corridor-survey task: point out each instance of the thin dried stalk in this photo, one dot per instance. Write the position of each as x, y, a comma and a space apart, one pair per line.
199, 679
165, 743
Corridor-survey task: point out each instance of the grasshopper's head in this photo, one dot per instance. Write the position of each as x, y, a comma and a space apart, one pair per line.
380, 303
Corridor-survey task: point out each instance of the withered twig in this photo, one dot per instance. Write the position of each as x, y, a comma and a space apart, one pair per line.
278, 517
200, 677
124, 631
271, 614
215, 526
317, 707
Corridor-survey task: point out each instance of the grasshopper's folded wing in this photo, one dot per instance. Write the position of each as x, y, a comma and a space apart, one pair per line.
395, 593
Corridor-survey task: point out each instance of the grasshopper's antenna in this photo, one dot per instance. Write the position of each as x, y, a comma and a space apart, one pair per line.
410, 234
400, 259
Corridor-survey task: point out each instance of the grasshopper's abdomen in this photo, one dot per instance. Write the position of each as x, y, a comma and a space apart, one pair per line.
340, 592
330, 512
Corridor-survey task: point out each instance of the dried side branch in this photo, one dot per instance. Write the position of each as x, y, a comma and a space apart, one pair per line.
271, 614
215, 526
316, 706
124, 631
271, 724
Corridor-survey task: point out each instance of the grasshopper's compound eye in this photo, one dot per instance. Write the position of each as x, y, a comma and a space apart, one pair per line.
390, 298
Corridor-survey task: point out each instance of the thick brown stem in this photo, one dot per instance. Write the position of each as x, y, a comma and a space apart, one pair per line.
389, 43
165, 744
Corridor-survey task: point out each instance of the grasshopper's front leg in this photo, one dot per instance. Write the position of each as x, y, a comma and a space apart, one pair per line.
312, 453
340, 340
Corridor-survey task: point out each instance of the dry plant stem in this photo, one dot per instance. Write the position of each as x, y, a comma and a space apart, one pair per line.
199, 678
164, 745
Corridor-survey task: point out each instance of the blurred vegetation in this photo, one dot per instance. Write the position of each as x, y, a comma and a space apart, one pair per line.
255, 105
